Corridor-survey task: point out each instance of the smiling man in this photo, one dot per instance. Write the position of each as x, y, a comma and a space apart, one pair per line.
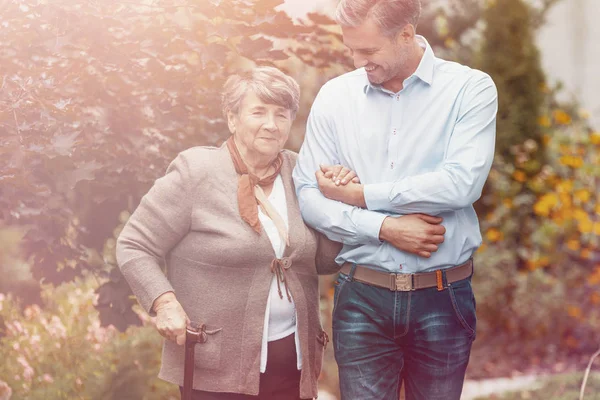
419, 131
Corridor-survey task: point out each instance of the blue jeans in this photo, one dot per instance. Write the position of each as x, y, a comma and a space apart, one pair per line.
421, 339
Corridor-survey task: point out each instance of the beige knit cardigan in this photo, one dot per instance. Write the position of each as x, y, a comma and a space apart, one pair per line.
219, 269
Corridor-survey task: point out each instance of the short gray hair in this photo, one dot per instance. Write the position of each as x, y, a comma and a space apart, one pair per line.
389, 15
270, 85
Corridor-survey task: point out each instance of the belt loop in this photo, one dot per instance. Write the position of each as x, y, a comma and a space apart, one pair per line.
445, 278
439, 277
352, 270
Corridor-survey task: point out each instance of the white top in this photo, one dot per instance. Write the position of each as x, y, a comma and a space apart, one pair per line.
280, 316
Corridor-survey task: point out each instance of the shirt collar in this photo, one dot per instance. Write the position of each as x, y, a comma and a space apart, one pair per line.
424, 71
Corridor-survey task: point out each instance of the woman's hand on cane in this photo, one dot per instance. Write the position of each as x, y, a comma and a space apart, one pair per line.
171, 319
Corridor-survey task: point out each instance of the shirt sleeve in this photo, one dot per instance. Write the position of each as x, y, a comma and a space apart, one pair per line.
459, 182
338, 221
159, 222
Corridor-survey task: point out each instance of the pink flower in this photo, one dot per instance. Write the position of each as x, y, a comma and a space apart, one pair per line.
16, 346
56, 328
15, 328
23, 361
32, 312
28, 373
78, 381
5, 391
47, 378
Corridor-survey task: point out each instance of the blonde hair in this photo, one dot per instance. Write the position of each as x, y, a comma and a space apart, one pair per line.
270, 85
389, 15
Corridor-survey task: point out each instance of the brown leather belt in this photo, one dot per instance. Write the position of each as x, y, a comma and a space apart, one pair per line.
409, 282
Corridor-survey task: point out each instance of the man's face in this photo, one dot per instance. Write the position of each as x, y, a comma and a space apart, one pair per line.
383, 57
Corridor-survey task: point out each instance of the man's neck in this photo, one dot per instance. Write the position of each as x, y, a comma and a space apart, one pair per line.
396, 84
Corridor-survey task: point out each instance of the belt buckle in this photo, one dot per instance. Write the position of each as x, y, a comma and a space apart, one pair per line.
401, 282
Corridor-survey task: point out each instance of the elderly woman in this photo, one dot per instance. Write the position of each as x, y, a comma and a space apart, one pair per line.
239, 258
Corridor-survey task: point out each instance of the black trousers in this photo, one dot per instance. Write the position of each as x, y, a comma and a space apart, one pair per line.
280, 381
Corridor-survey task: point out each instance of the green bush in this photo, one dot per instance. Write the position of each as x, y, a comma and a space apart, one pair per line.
61, 351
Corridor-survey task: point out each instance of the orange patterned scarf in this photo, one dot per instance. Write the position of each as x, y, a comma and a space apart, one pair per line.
250, 193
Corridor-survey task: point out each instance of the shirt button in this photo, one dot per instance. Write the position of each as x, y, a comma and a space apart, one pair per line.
392, 165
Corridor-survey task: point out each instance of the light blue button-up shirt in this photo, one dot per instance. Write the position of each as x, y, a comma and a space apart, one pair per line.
426, 149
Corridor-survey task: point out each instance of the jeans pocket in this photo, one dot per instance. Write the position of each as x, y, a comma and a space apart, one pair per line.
338, 285
463, 303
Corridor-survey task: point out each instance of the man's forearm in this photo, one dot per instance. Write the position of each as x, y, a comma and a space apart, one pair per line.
338, 221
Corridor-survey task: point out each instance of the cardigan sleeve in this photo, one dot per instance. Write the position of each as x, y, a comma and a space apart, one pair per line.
162, 218
327, 251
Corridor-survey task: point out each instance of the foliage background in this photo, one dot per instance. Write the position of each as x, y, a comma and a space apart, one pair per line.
97, 97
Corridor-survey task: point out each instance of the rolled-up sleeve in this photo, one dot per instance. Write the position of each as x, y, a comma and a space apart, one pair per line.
159, 222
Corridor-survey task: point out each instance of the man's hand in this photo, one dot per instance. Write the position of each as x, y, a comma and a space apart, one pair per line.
351, 193
418, 234
171, 319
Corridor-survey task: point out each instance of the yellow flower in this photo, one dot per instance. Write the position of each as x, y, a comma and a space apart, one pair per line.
566, 202
574, 312
544, 121
519, 176
586, 226
494, 235
580, 215
594, 277
595, 138
531, 265
573, 244
571, 342
545, 204
571, 161
565, 186
546, 139
561, 117
596, 228
541, 209
586, 253
450, 43
583, 195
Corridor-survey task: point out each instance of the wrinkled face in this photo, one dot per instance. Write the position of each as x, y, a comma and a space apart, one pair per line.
383, 58
261, 128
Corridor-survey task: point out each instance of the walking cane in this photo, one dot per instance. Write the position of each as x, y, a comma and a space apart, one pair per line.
193, 336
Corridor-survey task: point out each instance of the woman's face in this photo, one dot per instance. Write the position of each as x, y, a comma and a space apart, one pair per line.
261, 128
